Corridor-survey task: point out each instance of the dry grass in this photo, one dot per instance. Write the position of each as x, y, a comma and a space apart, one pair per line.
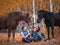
3, 41
56, 42
18, 38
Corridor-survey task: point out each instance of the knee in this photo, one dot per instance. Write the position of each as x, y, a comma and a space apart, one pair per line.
42, 33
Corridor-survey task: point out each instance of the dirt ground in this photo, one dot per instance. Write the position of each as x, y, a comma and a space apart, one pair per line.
18, 38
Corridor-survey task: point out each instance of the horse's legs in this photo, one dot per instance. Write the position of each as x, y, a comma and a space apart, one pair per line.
52, 32
52, 26
13, 35
48, 31
9, 34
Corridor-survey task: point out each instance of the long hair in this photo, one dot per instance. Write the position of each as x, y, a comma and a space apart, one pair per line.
23, 27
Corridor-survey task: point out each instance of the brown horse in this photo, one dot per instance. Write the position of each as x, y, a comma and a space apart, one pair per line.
10, 21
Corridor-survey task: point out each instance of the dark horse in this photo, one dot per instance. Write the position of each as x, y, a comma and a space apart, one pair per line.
51, 19
10, 21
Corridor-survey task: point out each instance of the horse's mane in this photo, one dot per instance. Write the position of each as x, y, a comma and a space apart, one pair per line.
13, 14
19, 16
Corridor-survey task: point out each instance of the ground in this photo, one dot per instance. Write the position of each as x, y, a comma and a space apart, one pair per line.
3, 40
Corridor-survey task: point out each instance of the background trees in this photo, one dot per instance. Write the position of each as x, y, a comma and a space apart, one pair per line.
26, 5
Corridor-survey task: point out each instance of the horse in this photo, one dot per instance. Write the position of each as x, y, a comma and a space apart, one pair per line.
51, 19
10, 22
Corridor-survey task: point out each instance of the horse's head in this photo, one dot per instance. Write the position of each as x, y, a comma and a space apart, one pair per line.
23, 16
40, 14
27, 18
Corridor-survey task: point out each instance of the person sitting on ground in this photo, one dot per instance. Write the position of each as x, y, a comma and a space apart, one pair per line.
25, 35
36, 36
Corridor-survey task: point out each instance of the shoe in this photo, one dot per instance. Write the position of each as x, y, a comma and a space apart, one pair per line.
14, 41
45, 39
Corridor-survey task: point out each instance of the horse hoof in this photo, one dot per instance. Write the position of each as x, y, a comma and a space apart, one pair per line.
14, 41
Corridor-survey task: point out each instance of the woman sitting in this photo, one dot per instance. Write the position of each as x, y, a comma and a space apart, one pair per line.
26, 35
36, 36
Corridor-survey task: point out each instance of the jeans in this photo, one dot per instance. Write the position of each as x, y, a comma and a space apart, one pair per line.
37, 36
27, 40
